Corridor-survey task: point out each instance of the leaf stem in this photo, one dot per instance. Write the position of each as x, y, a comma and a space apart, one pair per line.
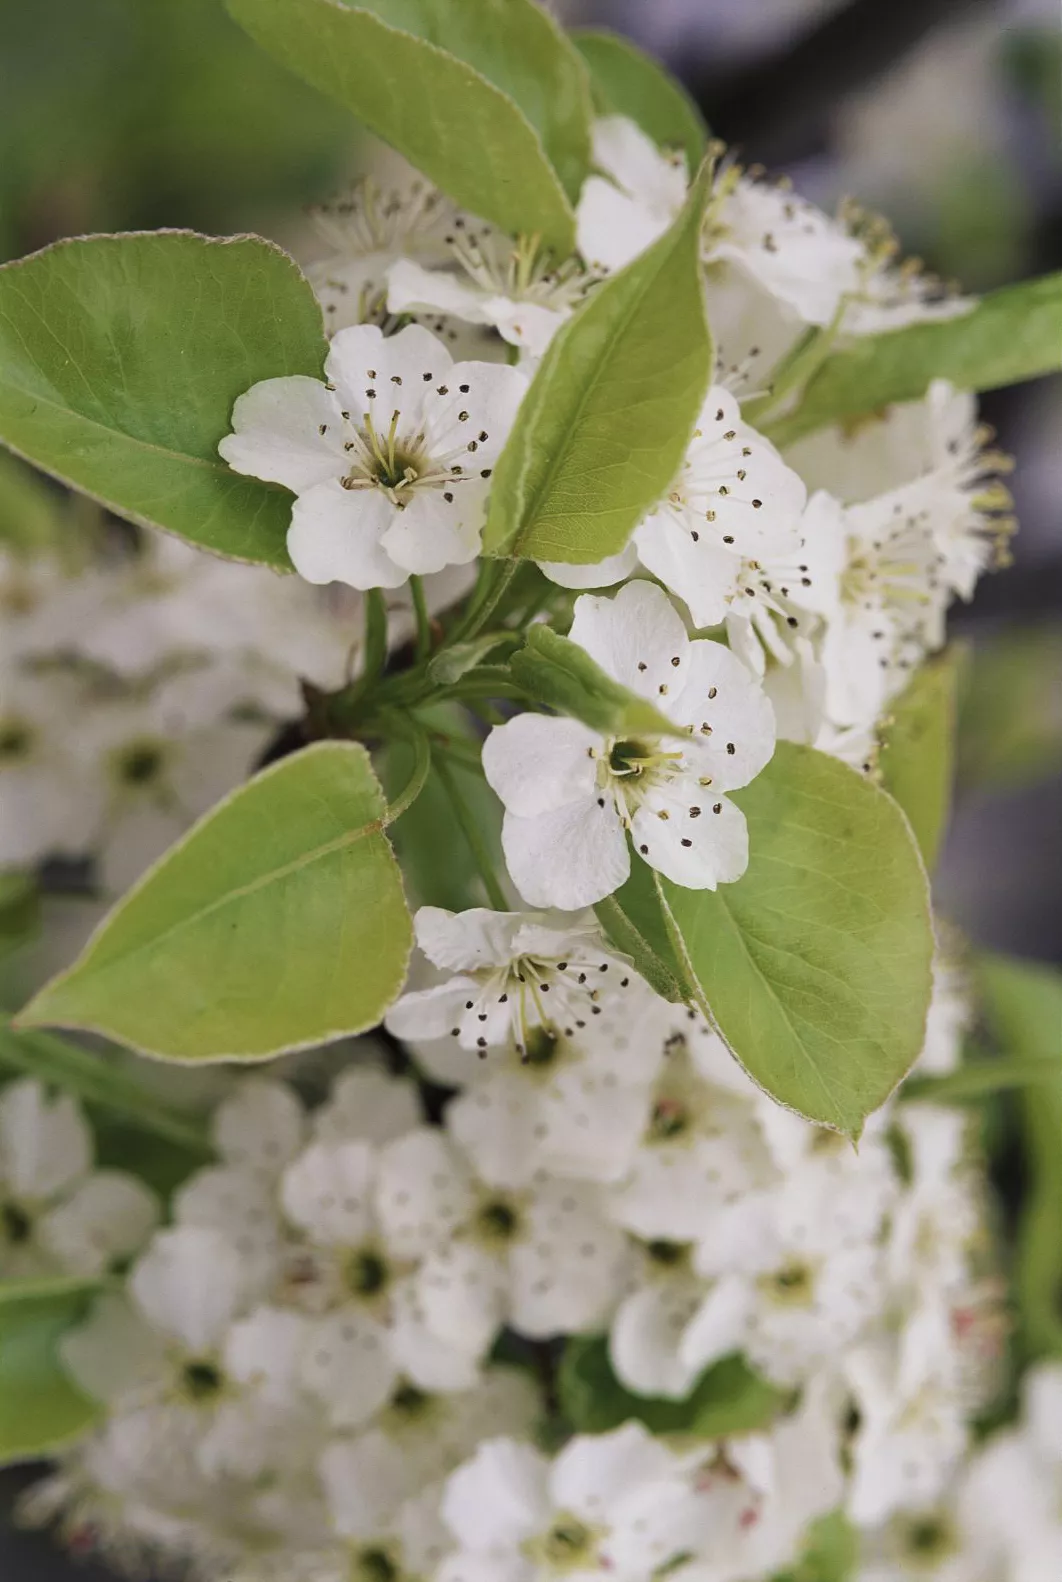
473, 835
418, 775
420, 610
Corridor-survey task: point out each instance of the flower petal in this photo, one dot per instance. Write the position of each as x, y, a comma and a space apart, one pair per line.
701, 572
569, 857
424, 1192
347, 1364
260, 1127
286, 431
498, 1499
721, 694
189, 1285
637, 637
45, 1144
327, 1193
645, 1339
362, 358
537, 764
109, 1216
691, 840
602, 574
438, 528
336, 536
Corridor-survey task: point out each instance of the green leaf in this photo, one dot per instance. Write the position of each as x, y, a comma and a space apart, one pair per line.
121, 358
634, 920
918, 751
40, 1410
1022, 1002
560, 674
1011, 335
20, 910
603, 429
97, 1080
1010, 709
626, 81
479, 94
276, 923
457, 659
830, 1552
816, 964
728, 1399
980, 1079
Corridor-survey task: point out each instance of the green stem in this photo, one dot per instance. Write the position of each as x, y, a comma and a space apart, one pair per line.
485, 601
420, 610
979, 1079
473, 835
418, 775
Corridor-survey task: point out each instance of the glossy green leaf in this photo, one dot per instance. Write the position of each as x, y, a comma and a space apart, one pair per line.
97, 1079
918, 751
1011, 335
481, 95
560, 674
633, 918
606, 422
1010, 709
121, 358
816, 964
728, 1399
40, 1409
277, 922
626, 81
1022, 1004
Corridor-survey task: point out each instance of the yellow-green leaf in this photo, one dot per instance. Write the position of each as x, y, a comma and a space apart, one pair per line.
918, 751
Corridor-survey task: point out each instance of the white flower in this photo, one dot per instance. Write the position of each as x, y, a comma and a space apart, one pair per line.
617, 1505
571, 794
517, 973
366, 233
368, 1328
259, 1128
572, 1107
937, 1217
51, 798
950, 1014
367, 1104
390, 460
390, 1523
543, 1259
619, 217
512, 286
56, 1213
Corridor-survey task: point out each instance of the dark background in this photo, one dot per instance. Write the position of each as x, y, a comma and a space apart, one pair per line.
945, 114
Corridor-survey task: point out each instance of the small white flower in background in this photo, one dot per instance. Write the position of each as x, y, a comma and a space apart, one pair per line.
950, 1015
1009, 1505
391, 1523
366, 233
368, 1326
58, 1214
938, 1216
390, 460
544, 1259
260, 1127
569, 1107
618, 1505
513, 286
366, 1103
518, 973
51, 798
624, 210
571, 795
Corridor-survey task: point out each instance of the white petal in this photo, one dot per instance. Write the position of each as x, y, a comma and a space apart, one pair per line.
719, 1326
623, 151
367, 1105
526, 324
260, 1128
466, 941
264, 1351
601, 574
495, 1124
411, 288
536, 764
424, 1192
636, 637
347, 1364
567, 1266
568, 857
336, 536
189, 1285
424, 1357
700, 852
594, 1476
703, 573
115, 1351
243, 1208
498, 1500
327, 1192
721, 694
461, 1291
435, 1012
366, 1483
590, 1121
109, 1215
479, 411
438, 528
363, 358
45, 1144
468, 1567
644, 1345
277, 433
611, 227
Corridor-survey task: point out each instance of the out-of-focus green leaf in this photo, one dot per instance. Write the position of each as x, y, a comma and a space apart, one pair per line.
628, 82
276, 923
40, 1409
816, 963
478, 94
19, 910
830, 1552
918, 751
121, 358
30, 508
607, 419
1010, 709
728, 1399
1007, 337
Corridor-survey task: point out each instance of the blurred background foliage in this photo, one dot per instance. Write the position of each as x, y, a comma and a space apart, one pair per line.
945, 114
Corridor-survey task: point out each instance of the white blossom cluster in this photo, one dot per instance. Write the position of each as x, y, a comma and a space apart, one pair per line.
821, 574
301, 1375
138, 690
